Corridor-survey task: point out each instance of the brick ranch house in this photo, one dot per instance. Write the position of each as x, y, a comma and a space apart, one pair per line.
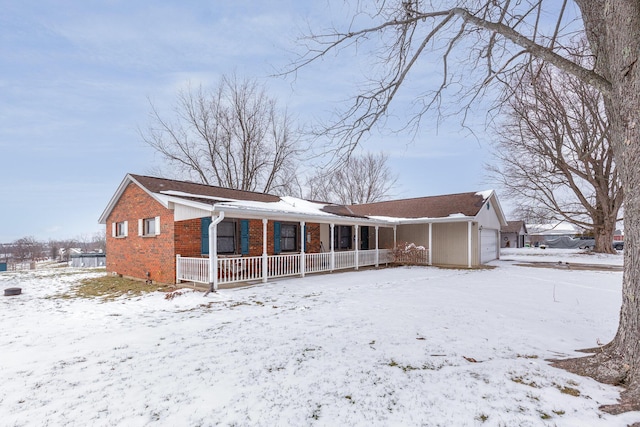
159, 229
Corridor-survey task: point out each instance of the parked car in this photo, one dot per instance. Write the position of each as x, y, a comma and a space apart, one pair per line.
618, 246
587, 243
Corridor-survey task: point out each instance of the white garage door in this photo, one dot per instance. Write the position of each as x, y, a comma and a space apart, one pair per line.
488, 245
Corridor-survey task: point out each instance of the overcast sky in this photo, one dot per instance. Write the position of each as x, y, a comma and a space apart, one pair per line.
76, 78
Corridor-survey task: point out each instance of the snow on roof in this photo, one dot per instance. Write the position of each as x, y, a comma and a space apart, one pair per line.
396, 220
196, 196
286, 204
485, 194
557, 228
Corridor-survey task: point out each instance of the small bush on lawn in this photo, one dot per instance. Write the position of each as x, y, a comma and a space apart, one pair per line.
409, 254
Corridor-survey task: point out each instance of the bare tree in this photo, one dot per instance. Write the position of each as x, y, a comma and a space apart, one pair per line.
54, 249
358, 179
233, 136
99, 241
500, 38
553, 152
28, 249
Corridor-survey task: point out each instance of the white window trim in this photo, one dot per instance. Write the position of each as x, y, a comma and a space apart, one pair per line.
156, 227
114, 229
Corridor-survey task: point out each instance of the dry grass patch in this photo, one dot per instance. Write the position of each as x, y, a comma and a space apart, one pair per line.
109, 287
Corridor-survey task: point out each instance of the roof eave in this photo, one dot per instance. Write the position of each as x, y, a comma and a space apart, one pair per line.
121, 188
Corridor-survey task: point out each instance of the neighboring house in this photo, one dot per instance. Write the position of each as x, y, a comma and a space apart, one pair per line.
618, 236
94, 259
159, 229
541, 233
66, 254
513, 234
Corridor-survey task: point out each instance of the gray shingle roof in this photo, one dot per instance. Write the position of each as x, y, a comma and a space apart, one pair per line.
513, 227
159, 185
468, 204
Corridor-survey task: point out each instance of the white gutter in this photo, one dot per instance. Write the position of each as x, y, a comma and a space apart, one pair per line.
213, 252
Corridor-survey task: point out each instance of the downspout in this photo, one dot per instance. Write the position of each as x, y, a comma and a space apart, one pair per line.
377, 249
303, 238
357, 242
265, 258
332, 261
213, 252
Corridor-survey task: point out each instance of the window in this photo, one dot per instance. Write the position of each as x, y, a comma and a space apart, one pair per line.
149, 226
227, 232
227, 237
119, 229
342, 237
288, 237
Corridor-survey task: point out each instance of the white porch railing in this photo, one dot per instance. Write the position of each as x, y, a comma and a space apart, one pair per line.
241, 269
245, 269
345, 260
317, 263
283, 265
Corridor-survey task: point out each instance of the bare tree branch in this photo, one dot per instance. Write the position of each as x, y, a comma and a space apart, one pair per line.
233, 136
360, 179
554, 155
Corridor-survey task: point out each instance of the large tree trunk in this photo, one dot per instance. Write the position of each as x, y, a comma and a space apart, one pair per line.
605, 226
613, 29
604, 238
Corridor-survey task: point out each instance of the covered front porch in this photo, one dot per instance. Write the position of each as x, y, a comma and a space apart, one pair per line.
229, 270
323, 243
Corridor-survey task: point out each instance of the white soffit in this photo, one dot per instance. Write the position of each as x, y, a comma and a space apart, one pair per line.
183, 212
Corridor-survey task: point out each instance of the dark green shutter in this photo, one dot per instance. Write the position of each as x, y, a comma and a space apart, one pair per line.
244, 236
364, 238
276, 237
204, 235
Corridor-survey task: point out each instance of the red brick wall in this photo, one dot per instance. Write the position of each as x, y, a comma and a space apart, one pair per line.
255, 237
313, 246
188, 234
187, 238
135, 255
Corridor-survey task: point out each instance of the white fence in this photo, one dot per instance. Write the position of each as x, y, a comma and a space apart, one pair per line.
245, 269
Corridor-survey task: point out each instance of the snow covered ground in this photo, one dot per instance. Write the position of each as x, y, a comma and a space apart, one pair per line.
390, 347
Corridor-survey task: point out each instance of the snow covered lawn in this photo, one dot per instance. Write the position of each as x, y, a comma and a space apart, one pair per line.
390, 347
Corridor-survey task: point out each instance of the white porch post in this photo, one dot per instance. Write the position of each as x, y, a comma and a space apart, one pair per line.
332, 261
469, 228
357, 243
377, 249
265, 259
302, 240
213, 252
178, 272
430, 243
395, 236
